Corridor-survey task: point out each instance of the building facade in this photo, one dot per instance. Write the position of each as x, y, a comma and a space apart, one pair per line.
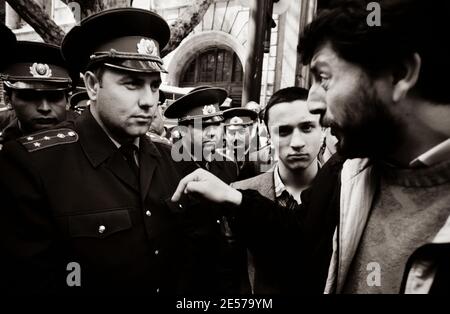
215, 52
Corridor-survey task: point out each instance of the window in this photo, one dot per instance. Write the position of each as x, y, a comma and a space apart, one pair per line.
219, 67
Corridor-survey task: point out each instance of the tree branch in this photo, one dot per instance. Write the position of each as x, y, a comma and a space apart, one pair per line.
39, 20
50, 32
185, 23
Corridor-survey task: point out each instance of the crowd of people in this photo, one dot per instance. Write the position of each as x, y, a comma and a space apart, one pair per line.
339, 188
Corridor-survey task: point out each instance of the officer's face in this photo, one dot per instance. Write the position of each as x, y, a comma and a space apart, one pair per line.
296, 134
206, 137
238, 137
38, 110
125, 101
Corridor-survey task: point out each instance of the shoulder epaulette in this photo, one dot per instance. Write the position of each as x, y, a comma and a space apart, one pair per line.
48, 138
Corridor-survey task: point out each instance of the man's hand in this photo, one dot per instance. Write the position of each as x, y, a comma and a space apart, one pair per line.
209, 186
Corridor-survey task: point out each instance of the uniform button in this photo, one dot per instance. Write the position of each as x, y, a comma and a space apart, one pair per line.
157, 290
156, 252
148, 213
218, 221
101, 229
179, 205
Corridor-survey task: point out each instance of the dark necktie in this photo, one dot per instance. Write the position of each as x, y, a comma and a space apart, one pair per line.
128, 150
204, 164
286, 200
239, 162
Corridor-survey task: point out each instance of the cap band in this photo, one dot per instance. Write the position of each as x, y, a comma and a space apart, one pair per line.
212, 119
133, 53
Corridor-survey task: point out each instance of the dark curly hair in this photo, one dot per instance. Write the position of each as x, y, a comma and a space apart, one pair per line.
407, 27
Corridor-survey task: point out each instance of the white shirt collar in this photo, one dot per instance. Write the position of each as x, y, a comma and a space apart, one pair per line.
433, 156
280, 187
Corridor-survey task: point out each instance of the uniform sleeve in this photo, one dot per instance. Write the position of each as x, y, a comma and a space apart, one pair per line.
260, 220
294, 246
28, 233
263, 224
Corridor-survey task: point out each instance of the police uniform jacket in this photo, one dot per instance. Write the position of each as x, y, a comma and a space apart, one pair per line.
232, 261
13, 131
222, 166
69, 196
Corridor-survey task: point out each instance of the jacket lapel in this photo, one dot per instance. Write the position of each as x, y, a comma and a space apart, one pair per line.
267, 186
99, 149
119, 167
148, 154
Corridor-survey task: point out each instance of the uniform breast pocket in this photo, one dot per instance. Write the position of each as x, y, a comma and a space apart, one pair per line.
100, 224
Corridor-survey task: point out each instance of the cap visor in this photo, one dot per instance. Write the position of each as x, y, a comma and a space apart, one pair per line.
36, 85
137, 66
206, 120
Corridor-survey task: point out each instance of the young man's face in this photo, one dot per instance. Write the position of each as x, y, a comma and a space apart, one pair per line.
126, 102
353, 104
295, 133
38, 110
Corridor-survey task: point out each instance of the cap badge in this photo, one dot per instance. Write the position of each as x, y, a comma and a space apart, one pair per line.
236, 120
209, 109
147, 47
40, 70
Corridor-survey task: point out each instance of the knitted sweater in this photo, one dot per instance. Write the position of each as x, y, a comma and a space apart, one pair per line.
409, 209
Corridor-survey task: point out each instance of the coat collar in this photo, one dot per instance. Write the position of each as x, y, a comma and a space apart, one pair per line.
149, 156
99, 149
266, 185
96, 143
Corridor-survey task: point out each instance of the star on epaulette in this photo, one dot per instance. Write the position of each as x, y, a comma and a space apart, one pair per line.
48, 138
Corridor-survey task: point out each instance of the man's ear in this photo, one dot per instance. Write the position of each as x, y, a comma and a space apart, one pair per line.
92, 84
406, 78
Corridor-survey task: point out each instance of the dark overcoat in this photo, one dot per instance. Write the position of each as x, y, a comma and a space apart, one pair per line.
68, 195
